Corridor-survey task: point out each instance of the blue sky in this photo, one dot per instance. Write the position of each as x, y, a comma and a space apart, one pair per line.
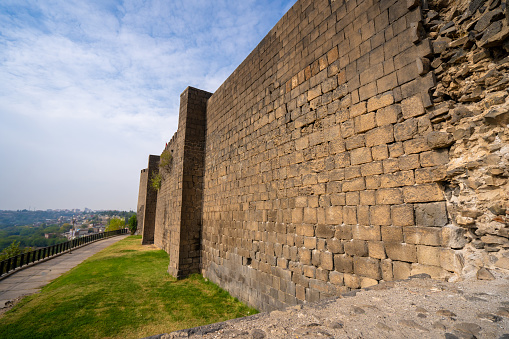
90, 88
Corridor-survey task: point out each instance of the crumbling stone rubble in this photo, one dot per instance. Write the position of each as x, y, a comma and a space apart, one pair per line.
469, 116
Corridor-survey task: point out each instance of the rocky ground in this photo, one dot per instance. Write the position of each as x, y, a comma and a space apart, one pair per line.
418, 307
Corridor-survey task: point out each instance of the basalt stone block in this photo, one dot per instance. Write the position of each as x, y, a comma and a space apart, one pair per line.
431, 214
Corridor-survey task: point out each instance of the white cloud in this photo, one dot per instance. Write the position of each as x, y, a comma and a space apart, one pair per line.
90, 88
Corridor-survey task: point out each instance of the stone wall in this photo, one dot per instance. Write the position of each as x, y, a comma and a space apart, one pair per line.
147, 200
179, 203
323, 164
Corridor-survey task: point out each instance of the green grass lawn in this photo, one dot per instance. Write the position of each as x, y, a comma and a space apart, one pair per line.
123, 291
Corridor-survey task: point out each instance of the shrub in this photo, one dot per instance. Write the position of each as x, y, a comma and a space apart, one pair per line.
155, 181
166, 160
133, 224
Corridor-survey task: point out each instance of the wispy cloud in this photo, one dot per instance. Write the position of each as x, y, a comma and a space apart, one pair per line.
90, 88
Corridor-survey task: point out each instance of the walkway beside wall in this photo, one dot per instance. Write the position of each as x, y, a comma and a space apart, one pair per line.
31, 279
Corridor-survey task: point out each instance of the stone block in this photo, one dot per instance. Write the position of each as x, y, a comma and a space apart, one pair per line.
380, 101
423, 193
376, 249
310, 242
416, 145
305, 256
360, 156
386, 267
402, 215
363, 218
401, 270
451, 260
431, 214
431, 236
367, 197
430, 174
434, 271
309, 271
352, 198
350, 215
310, 215
335, 246
315, 257
408, 162
357, 248
352, 281
388, 115
367, 267
397, 179
343, 232
305, 230
434, 158
405, 130
428, 255
401, 252
357, 184
364, 122
297, 215
379, 152
324, 231
370, 233
380, 215
453, 237
392, 234
379, 136
412, 107
314, 92
358, 109
343, 263
389, 196
336, 278
326, 261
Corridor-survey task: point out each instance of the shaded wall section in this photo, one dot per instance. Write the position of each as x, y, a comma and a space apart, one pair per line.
179, 206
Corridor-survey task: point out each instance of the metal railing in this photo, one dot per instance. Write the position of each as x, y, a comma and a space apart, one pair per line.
12, 263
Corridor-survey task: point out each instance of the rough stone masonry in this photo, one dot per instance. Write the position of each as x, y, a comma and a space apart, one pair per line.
361, 142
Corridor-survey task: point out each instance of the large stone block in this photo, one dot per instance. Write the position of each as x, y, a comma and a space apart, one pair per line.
379, 136
380, 101
401, 270
376, 249
451, 260
367, 267
343, 263
412, 107
335, 246
402, 215
431, 214
356, 248
360, 156
401, 252
324, 231
380, 214
352, 281
428, 255
371, 233
423, 193
431, 236
389, 196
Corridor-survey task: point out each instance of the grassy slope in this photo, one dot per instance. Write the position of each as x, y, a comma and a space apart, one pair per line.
121, 292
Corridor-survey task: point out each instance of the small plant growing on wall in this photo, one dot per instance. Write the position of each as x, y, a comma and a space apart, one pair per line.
155, 181
166, 160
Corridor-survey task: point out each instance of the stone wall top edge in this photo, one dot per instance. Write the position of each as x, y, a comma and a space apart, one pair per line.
256, 51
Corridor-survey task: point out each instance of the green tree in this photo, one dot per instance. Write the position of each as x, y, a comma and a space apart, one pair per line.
115, 224
133, 223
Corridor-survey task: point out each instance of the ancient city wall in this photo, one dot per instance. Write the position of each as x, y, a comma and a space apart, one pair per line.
147, 201
361, 141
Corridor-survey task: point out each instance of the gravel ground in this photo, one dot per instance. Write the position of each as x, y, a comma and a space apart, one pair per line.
418, 307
